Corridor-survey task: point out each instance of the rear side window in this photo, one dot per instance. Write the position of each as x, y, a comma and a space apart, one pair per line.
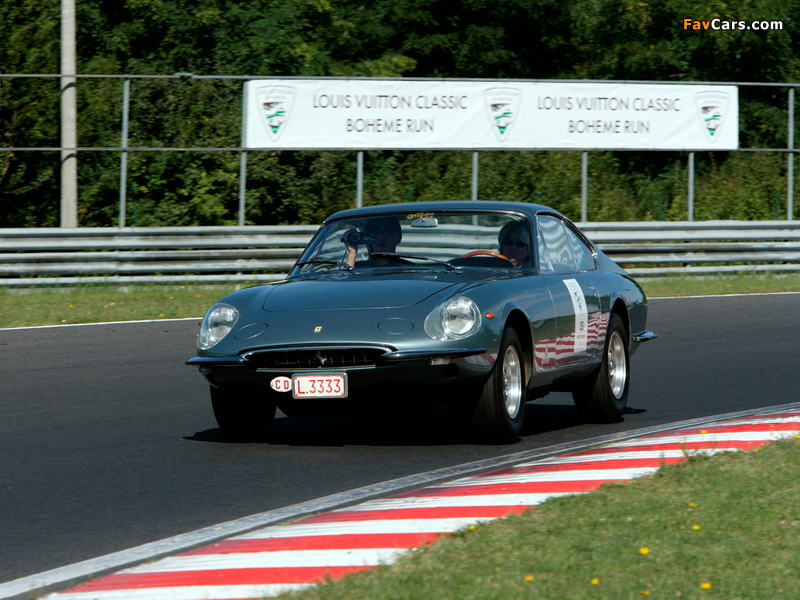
544, 260
583, 254
559, 249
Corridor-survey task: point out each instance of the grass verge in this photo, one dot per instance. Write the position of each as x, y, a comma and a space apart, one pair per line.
99, 303
720, 527
687, 285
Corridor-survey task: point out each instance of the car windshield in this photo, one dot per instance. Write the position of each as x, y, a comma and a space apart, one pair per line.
420, 240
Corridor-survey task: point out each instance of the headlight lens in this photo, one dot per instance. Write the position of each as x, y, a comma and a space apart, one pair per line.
454, 319
217, 323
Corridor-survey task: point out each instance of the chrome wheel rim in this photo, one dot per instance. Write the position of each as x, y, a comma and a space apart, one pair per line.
617, 366
512, 382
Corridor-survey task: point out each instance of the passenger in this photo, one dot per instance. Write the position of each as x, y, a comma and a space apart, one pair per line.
387, 234
515, 243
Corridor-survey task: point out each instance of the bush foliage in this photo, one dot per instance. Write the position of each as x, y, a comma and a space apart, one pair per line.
532, 39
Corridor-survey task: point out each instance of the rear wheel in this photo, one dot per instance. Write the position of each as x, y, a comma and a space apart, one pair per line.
242, 414
603, 395
500, 410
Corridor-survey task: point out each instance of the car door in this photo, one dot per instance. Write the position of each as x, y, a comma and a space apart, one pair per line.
575, 298
586, 261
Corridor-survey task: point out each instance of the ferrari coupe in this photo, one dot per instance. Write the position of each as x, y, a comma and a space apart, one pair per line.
479, 306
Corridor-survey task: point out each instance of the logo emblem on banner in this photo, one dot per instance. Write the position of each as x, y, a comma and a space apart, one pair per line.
275, 106
712, 108
502, 105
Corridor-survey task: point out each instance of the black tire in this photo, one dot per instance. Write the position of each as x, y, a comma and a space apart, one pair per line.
242, 414
603, 396
500, 411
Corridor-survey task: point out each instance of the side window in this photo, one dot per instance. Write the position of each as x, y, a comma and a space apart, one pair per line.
583, 254
558, 247
544, 260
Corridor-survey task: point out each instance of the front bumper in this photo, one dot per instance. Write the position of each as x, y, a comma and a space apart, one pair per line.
399, 375
390, 356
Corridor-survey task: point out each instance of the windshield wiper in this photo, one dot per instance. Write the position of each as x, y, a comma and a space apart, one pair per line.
404, 255
324, 261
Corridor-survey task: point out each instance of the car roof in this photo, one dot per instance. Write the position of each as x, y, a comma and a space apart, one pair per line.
454, 205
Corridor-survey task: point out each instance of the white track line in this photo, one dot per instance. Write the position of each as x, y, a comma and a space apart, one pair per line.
357, 557
195, 592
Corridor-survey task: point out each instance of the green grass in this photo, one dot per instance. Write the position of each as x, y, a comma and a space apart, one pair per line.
712, 286
731, 521
106, 302
98, 303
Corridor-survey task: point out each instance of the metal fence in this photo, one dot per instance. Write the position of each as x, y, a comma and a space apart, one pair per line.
62, 256
124, 148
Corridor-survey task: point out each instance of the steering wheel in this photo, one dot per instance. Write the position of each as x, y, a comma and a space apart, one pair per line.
486, 253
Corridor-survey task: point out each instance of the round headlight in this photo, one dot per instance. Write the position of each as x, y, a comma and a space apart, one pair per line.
217, 323
454, 319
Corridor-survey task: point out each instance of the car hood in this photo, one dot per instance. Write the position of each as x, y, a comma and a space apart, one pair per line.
359, 291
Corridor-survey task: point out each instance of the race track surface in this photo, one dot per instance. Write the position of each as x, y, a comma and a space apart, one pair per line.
108, 440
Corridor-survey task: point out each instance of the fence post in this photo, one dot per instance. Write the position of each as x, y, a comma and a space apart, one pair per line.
123, 161
474, 176
584, 184
360, 179
790, 161
691, 187
243, 158
69, 137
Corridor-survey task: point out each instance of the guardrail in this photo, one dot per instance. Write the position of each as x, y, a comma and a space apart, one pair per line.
58, 256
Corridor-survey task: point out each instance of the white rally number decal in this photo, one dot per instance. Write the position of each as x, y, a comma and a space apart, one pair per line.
281, 384
581, 314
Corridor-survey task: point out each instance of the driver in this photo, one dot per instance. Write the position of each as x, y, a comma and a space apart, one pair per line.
387, 234
515, 243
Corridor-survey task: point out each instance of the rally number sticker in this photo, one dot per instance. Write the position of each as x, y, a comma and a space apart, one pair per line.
581, 314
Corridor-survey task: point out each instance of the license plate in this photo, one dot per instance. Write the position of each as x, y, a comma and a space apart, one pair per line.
321, 385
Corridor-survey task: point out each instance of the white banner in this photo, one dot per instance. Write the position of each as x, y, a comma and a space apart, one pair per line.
475, 115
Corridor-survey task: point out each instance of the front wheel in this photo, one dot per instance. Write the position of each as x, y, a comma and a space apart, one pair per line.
241, 414
500, 410
603, 395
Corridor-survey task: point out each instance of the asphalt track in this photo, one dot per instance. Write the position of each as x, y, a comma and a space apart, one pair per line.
108, 441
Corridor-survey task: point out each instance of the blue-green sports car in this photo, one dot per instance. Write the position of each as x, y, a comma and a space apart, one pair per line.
482, 306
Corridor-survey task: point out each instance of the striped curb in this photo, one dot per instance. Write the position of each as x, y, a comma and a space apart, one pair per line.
329, 545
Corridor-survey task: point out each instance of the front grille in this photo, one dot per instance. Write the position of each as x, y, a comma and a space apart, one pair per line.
315, 358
